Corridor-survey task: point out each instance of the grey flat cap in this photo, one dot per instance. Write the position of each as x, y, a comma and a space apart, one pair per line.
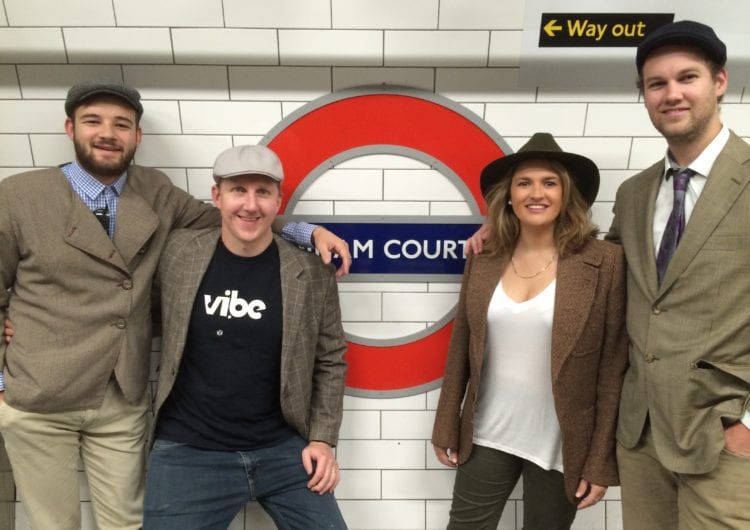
82, 91
248, 160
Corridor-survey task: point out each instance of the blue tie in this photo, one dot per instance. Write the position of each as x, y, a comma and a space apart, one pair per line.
676, 222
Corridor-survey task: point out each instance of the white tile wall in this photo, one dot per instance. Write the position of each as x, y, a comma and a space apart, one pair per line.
526, 119
15, 150
618, 119
19, 116
419, 78
483, 14
32, 45
279, 84
309, 47
161, 117
51, 149
50, 81
277, 14
118, 45
201, 13
436, 48
181, 151
385, 14
384, 515
482, 84
505, 48
422, 484
178, 82
225, 46
216, 73
233, 117
56, 13
9, 88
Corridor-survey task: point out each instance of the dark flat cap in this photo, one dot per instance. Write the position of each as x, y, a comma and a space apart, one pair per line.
685, 33
82, 91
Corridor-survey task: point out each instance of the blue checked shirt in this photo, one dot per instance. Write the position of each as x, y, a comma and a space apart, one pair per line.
95, 194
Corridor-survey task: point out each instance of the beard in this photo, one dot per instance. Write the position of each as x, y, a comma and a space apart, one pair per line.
107, 169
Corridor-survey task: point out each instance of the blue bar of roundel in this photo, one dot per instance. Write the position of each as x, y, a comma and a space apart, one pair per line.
405, 248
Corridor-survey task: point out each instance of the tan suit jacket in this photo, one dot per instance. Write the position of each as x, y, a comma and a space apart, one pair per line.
313, 342
81, 303
589, 356
690, 337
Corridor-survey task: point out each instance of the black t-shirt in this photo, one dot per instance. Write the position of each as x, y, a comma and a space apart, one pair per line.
226, 395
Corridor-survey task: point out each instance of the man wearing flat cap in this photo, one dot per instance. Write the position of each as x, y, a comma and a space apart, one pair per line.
684, 426
79, 246
240, 419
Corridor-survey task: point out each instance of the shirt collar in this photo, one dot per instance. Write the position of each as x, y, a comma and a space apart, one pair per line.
705, 161
90, 184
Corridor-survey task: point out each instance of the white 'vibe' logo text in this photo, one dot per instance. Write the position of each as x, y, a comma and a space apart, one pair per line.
232, 306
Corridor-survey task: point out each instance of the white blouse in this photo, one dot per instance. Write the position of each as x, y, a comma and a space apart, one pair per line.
515, 410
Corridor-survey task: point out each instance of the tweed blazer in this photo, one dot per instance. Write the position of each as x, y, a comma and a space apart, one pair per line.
589, 356
81, 303
312, 346
689, 337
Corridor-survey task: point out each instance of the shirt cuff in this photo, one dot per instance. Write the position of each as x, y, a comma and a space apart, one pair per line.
746, 419
2, 382
299, 234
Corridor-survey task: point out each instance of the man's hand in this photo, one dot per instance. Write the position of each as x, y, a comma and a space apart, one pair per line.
446, 456
475, 243
8, 331
589, 493
737, 439
327, 242
318, 457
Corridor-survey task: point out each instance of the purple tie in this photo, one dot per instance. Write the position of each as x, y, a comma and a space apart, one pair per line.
676, 222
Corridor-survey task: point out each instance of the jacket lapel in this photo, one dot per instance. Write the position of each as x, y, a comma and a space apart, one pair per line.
84, 232
577, 279
725, 184
195, 268
292, 297
136, 223
643, 267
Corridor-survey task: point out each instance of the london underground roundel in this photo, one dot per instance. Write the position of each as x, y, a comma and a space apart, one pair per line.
442, 136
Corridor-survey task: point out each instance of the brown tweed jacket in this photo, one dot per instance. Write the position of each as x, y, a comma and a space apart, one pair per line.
589, 358
312, 346
81, 303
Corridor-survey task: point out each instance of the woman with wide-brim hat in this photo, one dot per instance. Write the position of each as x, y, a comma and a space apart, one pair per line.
538, 352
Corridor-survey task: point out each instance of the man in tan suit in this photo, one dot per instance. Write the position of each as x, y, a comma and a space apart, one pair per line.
79, 246
251, 381
684, 427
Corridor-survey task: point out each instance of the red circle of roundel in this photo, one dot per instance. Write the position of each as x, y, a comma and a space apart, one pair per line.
392, 119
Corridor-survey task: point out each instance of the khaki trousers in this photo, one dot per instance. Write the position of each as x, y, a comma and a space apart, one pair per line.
44, 451
654, 498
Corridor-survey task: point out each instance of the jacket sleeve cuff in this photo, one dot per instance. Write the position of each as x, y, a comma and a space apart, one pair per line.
299, 234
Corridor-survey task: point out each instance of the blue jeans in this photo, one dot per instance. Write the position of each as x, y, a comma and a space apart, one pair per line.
192, 488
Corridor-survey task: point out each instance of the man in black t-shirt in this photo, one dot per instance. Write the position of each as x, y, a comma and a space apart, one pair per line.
251, 380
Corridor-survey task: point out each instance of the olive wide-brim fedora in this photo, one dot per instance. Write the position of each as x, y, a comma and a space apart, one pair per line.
542, 146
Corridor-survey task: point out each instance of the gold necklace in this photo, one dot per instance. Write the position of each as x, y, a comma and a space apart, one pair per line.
533, 275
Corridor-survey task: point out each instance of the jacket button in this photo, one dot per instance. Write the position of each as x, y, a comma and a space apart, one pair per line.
120, 323
650, 358
656, 310
127, 284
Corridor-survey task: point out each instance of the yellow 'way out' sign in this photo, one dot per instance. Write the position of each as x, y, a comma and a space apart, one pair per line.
605, 30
